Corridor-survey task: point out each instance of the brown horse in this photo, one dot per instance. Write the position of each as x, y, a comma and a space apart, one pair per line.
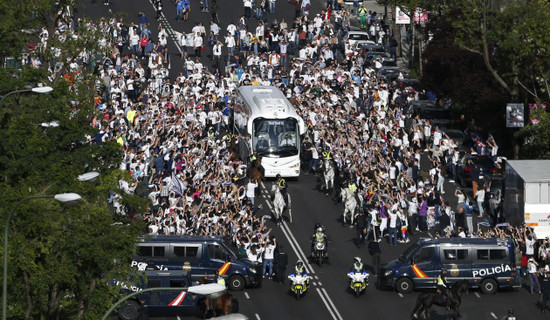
256, 173
220, 304
233, 148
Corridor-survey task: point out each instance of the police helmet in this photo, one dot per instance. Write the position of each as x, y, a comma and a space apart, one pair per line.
278, 175
357, 259
319, 229
299, 263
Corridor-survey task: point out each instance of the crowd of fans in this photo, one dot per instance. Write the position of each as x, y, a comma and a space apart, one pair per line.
177, 138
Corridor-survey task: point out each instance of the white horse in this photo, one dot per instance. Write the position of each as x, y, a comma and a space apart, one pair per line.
350, 205
328, 175
279, 204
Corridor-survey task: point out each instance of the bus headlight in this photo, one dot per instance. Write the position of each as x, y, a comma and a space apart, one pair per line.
295, 166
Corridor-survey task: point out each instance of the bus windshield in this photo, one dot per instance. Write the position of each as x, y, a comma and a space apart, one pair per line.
275, 137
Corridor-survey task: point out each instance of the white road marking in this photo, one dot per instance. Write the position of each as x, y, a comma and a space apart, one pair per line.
300, 253
477, 295
257, 316
494, 315
246, 295
429, 233
326, 304
400, 295
332, 304
168, 28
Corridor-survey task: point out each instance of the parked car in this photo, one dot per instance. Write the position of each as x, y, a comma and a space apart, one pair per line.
426, 109
453, 134
353, 47
364, 47
389, 73
352, 36
387, 60
408, 83
466, 168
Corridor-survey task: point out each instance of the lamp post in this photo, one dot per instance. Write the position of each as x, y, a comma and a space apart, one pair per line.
62, 197
40, 90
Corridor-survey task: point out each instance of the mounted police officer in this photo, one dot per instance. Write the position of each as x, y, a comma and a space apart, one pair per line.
281, 184
327, 154
443, 287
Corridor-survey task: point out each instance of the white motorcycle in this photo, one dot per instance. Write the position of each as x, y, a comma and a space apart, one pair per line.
320, 254
358, 282
299, 284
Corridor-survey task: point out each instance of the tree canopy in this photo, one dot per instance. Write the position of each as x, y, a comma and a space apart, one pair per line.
60, 258
486, 53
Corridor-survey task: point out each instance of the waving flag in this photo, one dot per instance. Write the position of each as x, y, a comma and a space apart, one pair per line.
176, 185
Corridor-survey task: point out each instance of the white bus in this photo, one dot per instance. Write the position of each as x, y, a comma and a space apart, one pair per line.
266, 122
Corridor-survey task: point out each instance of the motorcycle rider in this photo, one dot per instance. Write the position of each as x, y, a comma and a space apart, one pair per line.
281, 184
357, 266
300, 270
443, 287
318, 236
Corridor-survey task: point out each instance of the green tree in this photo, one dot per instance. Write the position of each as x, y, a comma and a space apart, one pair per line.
536, 137
22, 20
60, 258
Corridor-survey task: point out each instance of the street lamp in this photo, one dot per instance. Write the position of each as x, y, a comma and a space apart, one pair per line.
51, 124
68, 198
41, 90
89, 176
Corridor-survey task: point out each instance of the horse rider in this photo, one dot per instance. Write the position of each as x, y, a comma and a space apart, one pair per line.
281, 184
353, 188
327, 155
443, 287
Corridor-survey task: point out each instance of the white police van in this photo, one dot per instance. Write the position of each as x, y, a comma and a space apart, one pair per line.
488, 264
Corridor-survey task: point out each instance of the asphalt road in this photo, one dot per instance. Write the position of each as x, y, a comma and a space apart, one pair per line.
328, 297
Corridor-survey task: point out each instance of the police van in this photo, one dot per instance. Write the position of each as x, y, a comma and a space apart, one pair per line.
203, 256
488, 264
174, 302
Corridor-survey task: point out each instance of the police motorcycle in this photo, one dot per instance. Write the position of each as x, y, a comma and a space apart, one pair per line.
319, 252
299, 280
359, 278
